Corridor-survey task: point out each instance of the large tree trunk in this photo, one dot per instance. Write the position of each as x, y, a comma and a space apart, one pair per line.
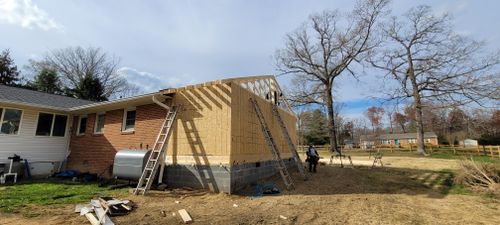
331, 120
418, 107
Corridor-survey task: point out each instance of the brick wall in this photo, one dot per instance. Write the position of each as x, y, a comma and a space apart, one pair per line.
95, 152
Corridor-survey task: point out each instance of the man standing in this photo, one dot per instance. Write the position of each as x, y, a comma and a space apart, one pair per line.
312, 158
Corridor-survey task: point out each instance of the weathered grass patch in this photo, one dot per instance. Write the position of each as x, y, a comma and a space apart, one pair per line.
13, 198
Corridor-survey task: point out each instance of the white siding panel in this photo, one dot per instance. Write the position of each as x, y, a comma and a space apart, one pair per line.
31, 147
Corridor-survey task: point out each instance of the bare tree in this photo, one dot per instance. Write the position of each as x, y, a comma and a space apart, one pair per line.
74, 64
429, 61
325, 47
401, 120
374, 115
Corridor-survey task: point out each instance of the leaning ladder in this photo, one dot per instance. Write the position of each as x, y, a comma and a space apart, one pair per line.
272, 145
291, 145
149, 172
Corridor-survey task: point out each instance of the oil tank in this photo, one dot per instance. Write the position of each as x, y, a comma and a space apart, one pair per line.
129, 163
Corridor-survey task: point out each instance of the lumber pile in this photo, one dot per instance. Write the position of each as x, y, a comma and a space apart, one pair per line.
100, 210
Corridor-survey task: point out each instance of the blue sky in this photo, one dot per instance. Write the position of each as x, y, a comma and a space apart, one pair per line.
173, 43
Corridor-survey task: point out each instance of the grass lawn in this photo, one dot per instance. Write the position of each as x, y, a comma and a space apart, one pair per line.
13, 198
438, 155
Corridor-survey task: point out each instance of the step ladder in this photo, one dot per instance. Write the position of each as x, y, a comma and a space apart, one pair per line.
157, 153
272, 145
288, 139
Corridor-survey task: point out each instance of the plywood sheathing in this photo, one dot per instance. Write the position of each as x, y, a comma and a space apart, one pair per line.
247, 140
217, 124
201, 132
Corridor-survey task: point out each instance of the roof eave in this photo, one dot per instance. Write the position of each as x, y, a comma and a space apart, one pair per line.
34, 105
117, 103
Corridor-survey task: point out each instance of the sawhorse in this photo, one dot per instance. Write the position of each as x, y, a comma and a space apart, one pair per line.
377, 159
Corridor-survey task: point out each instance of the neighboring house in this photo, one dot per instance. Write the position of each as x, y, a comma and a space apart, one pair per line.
403, 140
216, 142
468, 143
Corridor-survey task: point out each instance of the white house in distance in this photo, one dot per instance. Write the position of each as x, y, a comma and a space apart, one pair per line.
36, 126
468, 143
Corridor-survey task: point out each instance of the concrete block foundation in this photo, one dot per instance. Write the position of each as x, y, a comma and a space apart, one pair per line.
222, 178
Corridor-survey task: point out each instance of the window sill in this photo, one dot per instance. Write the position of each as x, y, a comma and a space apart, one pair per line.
97, 134
127, 132
80, 135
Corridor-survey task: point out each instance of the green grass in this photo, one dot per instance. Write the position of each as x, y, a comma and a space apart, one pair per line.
437, 155
14, 198
477, 158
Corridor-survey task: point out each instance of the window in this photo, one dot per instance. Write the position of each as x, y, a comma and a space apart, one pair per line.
99, 123
59, 125
82, 125
10, 120
44, 124
427, 140
129, 119
412, 141
51, 125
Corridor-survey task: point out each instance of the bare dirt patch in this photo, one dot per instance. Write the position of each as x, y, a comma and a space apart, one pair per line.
334, 195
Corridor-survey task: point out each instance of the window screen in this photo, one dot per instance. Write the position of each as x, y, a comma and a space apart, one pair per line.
44, 124
59, 126
130, 120
99, 123
10, 121
83, 125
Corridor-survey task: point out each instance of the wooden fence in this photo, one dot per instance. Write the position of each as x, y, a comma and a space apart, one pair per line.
483, 150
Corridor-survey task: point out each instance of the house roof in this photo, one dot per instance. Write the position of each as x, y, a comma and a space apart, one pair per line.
23, 96
397, 136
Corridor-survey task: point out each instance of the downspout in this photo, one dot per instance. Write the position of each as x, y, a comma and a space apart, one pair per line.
160, 103
162, 168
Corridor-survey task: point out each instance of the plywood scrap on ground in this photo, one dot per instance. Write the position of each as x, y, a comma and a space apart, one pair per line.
185, 216
104, 207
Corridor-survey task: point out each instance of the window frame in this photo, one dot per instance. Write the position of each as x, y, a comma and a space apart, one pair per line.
80, 117
96, 120
66, 128
20, 120
124, 121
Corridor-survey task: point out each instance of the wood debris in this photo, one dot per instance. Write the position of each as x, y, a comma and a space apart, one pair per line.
104, 207
185, 216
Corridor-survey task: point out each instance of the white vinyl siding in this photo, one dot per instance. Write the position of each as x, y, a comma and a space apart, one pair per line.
31, 147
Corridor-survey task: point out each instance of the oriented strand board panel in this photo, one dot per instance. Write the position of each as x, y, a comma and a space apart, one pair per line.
247, 140
201, 133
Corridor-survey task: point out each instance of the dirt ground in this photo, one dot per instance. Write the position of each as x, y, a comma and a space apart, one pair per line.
405, 191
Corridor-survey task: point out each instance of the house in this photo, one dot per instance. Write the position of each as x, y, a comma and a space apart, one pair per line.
401, 140
36, 126
216, 142
468, 143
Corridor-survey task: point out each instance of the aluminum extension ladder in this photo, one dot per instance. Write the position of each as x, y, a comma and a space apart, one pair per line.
291, 145
149, 172
272, 145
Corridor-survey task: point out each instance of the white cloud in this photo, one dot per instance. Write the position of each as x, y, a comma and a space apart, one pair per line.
454, 7
148, 82
26, 14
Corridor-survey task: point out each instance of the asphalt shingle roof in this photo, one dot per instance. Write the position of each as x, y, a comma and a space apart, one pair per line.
22, 95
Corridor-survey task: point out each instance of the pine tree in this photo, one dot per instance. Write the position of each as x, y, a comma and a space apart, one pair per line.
47, 81
89, 88
8, 70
